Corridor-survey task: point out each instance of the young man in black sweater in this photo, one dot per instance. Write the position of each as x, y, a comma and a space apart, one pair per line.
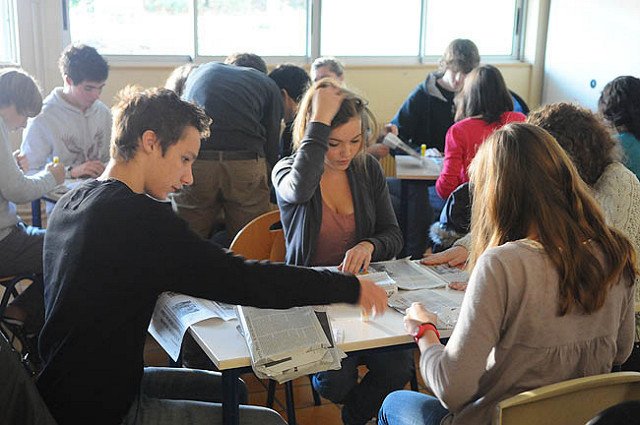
114, 244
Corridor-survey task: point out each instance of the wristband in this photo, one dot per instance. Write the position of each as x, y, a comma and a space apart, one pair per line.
426, 326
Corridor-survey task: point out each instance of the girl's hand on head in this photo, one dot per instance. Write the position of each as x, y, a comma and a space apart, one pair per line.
357, 259
326, 103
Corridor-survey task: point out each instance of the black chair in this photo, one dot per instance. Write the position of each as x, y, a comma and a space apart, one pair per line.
20, 400
14, 333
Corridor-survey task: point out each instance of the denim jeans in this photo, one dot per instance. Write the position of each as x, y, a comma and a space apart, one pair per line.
411, 408
388, 371
185, 396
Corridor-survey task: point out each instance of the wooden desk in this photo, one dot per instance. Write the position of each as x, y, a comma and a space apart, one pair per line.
227, 349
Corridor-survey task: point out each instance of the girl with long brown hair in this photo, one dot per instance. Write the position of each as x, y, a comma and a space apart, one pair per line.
550, 297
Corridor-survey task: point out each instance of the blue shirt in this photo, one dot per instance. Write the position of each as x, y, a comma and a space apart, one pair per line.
631, 148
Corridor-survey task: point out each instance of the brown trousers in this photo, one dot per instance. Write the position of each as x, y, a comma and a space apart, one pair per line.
239, 188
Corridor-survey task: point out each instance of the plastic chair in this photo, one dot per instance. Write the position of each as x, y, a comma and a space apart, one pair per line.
570, 402
263, 239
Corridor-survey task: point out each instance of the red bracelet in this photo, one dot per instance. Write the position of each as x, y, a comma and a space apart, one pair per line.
426, 326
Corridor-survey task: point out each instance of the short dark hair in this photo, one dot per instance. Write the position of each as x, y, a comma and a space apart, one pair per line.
619, 104
178, 78
19, 89
83, 63
291, 78
581, 134
248, 60
484, 94
159, 110
461, 55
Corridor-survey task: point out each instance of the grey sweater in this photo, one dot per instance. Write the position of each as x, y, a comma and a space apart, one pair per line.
509, 338
15, 186
297, 182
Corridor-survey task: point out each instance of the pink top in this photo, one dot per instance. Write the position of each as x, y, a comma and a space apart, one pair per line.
337, 235
461, 145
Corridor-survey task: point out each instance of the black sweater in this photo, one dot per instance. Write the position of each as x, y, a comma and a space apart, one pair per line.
108, 254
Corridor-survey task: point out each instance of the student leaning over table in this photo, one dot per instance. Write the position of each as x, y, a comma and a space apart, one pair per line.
21, 245
335, 210
113, 245
550, 297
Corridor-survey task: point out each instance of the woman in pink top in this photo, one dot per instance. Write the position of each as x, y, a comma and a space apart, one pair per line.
483, 106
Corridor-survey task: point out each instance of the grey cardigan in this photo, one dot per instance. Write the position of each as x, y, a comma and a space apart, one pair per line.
297, 183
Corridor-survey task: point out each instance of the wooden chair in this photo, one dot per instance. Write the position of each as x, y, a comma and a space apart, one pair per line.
261, 240
570, 402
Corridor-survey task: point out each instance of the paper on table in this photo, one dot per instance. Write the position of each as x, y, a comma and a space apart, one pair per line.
174, 313
446, 308
412, 275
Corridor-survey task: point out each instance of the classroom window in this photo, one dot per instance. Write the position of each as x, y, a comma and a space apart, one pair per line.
491, 24
370, 28
8, 45
133, 27
271, 27
294, 28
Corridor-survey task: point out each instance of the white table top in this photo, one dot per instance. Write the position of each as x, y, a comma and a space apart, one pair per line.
411, 168
224, 345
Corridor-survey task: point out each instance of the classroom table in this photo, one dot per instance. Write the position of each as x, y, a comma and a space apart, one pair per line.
410, 170
227, 349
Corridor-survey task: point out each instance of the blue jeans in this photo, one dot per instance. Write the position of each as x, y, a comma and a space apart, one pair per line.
387, 372
411, 408
174, 396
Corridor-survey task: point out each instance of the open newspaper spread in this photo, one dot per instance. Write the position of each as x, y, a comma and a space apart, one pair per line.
174, 313
287, 344
412, 275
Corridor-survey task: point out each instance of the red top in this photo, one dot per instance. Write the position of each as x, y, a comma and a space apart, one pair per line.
337, 235
461, 144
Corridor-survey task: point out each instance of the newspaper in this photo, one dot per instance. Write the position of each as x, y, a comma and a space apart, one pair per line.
174, 313
421, 166
383, 280
286, 344
411, 275
447, 308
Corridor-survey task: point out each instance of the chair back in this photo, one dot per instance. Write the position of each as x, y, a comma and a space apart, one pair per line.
258, 241
570, 402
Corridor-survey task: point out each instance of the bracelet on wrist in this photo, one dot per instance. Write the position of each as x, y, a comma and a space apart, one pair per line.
424, 327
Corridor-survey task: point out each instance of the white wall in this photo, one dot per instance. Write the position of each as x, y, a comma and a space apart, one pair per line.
589, 40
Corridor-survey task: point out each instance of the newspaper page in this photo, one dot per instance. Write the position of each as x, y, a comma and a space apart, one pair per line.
174, 313
446, 308
422, 166
411, 275
285, 344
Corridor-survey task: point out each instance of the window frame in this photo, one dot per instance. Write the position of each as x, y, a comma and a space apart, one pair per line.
313, 45
12, 31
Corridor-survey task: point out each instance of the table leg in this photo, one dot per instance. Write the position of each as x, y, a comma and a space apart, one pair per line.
230, 398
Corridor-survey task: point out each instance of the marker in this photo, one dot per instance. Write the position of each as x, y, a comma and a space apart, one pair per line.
423, 150
56, 160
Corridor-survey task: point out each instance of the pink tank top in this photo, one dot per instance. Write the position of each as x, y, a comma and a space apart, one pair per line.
337, 235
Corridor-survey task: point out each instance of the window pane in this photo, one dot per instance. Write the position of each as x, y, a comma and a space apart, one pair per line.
8, 47
488, 23
265, 27
133, 27
370, 28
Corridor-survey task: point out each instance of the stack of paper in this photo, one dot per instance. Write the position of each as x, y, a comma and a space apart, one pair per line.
287, 344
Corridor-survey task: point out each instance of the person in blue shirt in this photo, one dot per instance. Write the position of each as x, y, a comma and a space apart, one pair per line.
619, 104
